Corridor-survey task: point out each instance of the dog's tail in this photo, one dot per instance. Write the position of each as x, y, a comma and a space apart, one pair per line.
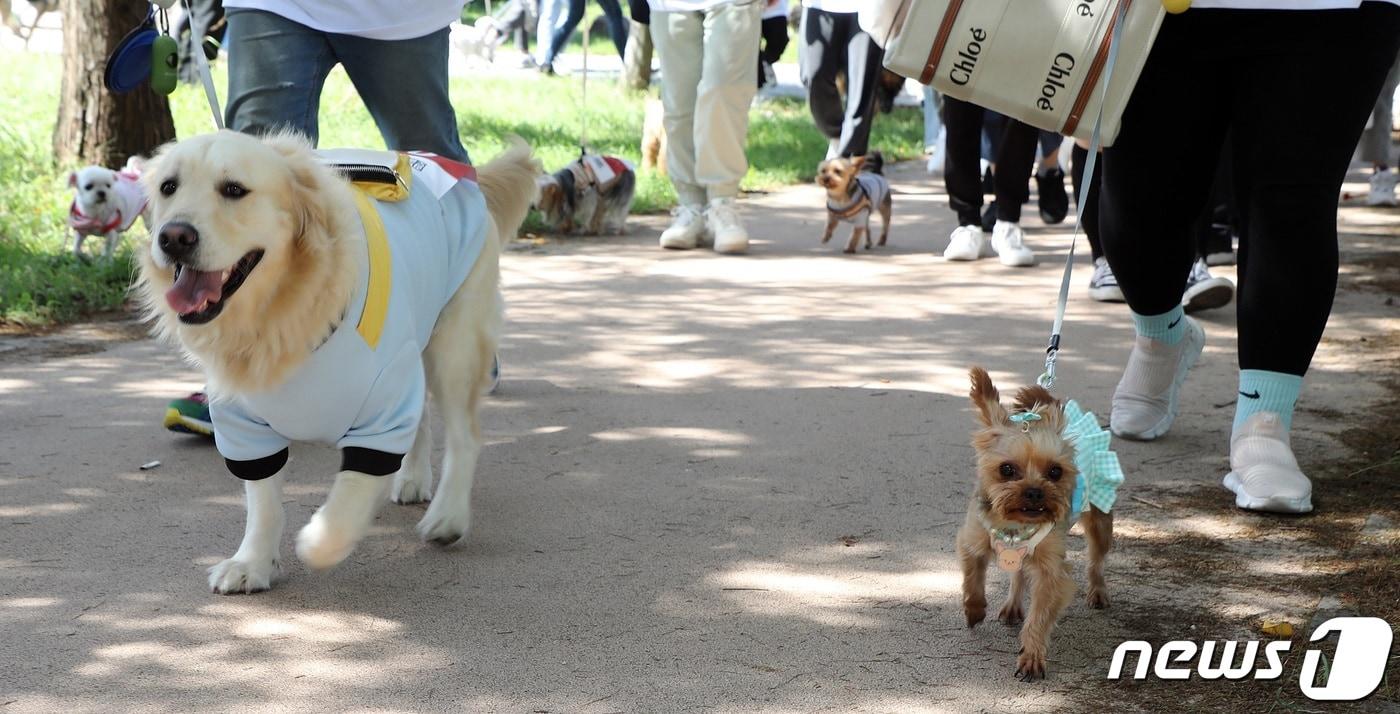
874, 163
508, 183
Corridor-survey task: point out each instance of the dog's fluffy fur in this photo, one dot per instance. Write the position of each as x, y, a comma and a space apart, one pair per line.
1026, 476
302, 216
654, 136
95, 194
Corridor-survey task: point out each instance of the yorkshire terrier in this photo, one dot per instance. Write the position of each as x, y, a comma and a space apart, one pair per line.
591, 196
1020, 514
855, 188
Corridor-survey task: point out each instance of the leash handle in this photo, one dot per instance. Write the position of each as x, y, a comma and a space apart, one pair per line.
1052, 350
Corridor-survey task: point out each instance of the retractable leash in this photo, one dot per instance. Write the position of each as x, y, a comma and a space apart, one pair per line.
1052, 351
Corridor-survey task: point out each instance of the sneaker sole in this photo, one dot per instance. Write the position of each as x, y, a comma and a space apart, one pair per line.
678, 244
1107, 294
181, 424
1174, 403
1208, 298
1268, 505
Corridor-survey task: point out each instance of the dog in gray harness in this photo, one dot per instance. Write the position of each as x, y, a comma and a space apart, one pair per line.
855, 188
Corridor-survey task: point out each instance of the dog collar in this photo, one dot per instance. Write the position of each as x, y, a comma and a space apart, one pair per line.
79, 221
1013, 545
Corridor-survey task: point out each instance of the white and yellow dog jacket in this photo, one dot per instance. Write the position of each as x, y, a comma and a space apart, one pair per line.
363, 390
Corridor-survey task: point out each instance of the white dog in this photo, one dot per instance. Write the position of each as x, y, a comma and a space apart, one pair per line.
105, 203
323, 311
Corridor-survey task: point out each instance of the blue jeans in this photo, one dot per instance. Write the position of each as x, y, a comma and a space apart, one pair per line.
933, 123
617, 27
277, 69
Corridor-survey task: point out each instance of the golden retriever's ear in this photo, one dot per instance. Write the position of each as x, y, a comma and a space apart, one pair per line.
985, 397
307, 175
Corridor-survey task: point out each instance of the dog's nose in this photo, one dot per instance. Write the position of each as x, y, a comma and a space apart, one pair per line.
1033, 494
178, 240
101, 195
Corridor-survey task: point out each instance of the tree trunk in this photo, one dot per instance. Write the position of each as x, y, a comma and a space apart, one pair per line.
94, 125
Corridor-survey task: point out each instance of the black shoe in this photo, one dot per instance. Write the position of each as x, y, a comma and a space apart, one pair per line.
1054, 202
989, 217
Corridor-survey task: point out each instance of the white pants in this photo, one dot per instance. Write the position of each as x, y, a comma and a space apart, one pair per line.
708, 79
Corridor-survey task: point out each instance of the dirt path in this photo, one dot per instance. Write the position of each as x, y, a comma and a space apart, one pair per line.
711, 484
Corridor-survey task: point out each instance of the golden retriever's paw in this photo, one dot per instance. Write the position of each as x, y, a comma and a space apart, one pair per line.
322, 545
236, 575
444, 527
1030, 666
1097, 598
409, 490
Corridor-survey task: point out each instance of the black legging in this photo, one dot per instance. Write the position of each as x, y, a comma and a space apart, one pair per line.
617, 27
962, 174
1293, 89
1220, 208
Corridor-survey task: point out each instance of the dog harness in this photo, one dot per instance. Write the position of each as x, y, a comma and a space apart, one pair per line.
363, 390
870, 191
126, 201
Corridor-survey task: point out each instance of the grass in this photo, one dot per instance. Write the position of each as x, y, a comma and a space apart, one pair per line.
41, 285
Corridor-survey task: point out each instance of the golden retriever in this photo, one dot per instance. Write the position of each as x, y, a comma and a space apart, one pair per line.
256, 260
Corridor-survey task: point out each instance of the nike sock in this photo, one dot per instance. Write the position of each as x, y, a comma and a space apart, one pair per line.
1265, 391
1166, 328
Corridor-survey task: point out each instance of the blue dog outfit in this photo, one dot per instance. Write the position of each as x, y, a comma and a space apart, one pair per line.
363, 390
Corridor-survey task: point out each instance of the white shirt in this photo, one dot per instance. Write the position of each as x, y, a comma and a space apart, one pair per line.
834, 5
1280, 4
689, 5
777, 9
397, 20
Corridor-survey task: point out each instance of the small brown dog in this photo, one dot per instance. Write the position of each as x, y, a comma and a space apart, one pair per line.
855, 188
1020, 514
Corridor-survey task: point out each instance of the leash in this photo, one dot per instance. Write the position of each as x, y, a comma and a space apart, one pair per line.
202, 63
1047, 379
583, 99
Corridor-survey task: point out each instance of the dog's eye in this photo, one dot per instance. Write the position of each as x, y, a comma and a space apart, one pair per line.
87, 187
1055, 473
168, 186
233, 189
1008, 470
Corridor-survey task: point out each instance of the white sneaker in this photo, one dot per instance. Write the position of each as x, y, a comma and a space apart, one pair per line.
1205, 291
967, 243
1145, 401
1382, 189
1102, 285
722, 219
1263, 473
1010, 244
684, 232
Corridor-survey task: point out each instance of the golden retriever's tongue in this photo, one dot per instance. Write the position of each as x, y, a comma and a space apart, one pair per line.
193, 289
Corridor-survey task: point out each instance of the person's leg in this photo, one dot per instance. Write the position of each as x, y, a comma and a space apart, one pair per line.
962, 171
863, 64
677, 38
276, 70
1288, 258
727, 87
1375, 140
1103, 285
617, 25
821, 59
386, 72
1015, 156
1147, 207
552, 14
1288, 253
775, 39
560, 35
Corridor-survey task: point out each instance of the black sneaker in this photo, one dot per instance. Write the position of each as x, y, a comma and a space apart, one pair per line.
1054, 202
1205, 291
